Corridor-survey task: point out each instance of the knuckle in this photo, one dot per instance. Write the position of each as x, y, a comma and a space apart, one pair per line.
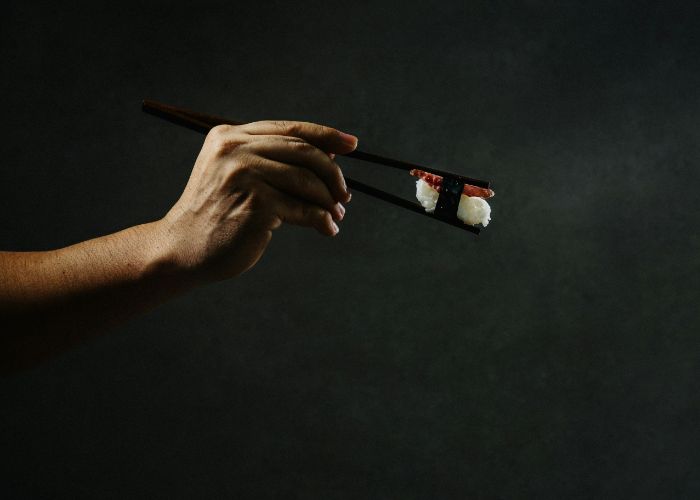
243, 169
220, 131
301, 145
327, 131
225, 138
289, 127
227, 144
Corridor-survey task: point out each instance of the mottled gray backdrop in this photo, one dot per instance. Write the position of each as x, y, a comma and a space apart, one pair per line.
557, 355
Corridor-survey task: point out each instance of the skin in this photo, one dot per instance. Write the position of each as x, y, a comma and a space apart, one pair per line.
246, 182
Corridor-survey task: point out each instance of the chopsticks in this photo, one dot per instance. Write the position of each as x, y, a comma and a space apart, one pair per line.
193, 120
202, 123
404, 203
402, 165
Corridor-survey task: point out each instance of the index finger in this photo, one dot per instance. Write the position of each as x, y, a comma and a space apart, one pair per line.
325, 138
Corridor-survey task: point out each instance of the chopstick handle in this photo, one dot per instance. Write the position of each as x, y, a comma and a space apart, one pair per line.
199, 122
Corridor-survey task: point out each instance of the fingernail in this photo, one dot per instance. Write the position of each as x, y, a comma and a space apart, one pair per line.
336, 229
340, 210
331, 156
348, 139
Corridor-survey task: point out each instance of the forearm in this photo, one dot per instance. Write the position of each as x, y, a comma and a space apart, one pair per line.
52, 300
246, 182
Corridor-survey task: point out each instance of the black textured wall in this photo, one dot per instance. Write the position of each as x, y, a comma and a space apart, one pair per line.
554, 356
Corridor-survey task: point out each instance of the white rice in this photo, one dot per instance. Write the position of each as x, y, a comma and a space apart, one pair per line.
426, 195
472, 210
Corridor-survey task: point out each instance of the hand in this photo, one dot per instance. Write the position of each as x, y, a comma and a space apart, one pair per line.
246, 182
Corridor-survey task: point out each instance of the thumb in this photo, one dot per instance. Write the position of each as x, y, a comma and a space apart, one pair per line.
345, 144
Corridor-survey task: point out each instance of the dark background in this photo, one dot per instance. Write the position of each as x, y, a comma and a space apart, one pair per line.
556, 355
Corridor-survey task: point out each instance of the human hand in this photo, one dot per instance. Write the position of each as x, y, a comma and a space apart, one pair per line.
248, 180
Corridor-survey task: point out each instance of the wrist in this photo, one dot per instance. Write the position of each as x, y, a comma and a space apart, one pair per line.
162, 261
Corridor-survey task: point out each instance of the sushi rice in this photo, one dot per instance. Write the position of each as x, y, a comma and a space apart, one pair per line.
472, 210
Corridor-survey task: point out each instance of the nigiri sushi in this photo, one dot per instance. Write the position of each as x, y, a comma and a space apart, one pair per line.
473, 208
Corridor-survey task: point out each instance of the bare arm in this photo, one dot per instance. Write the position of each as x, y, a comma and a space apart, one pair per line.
52, 300
246, 182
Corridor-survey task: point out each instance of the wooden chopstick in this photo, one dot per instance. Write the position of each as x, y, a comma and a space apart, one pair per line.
203, 123
199, 122
402, 165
